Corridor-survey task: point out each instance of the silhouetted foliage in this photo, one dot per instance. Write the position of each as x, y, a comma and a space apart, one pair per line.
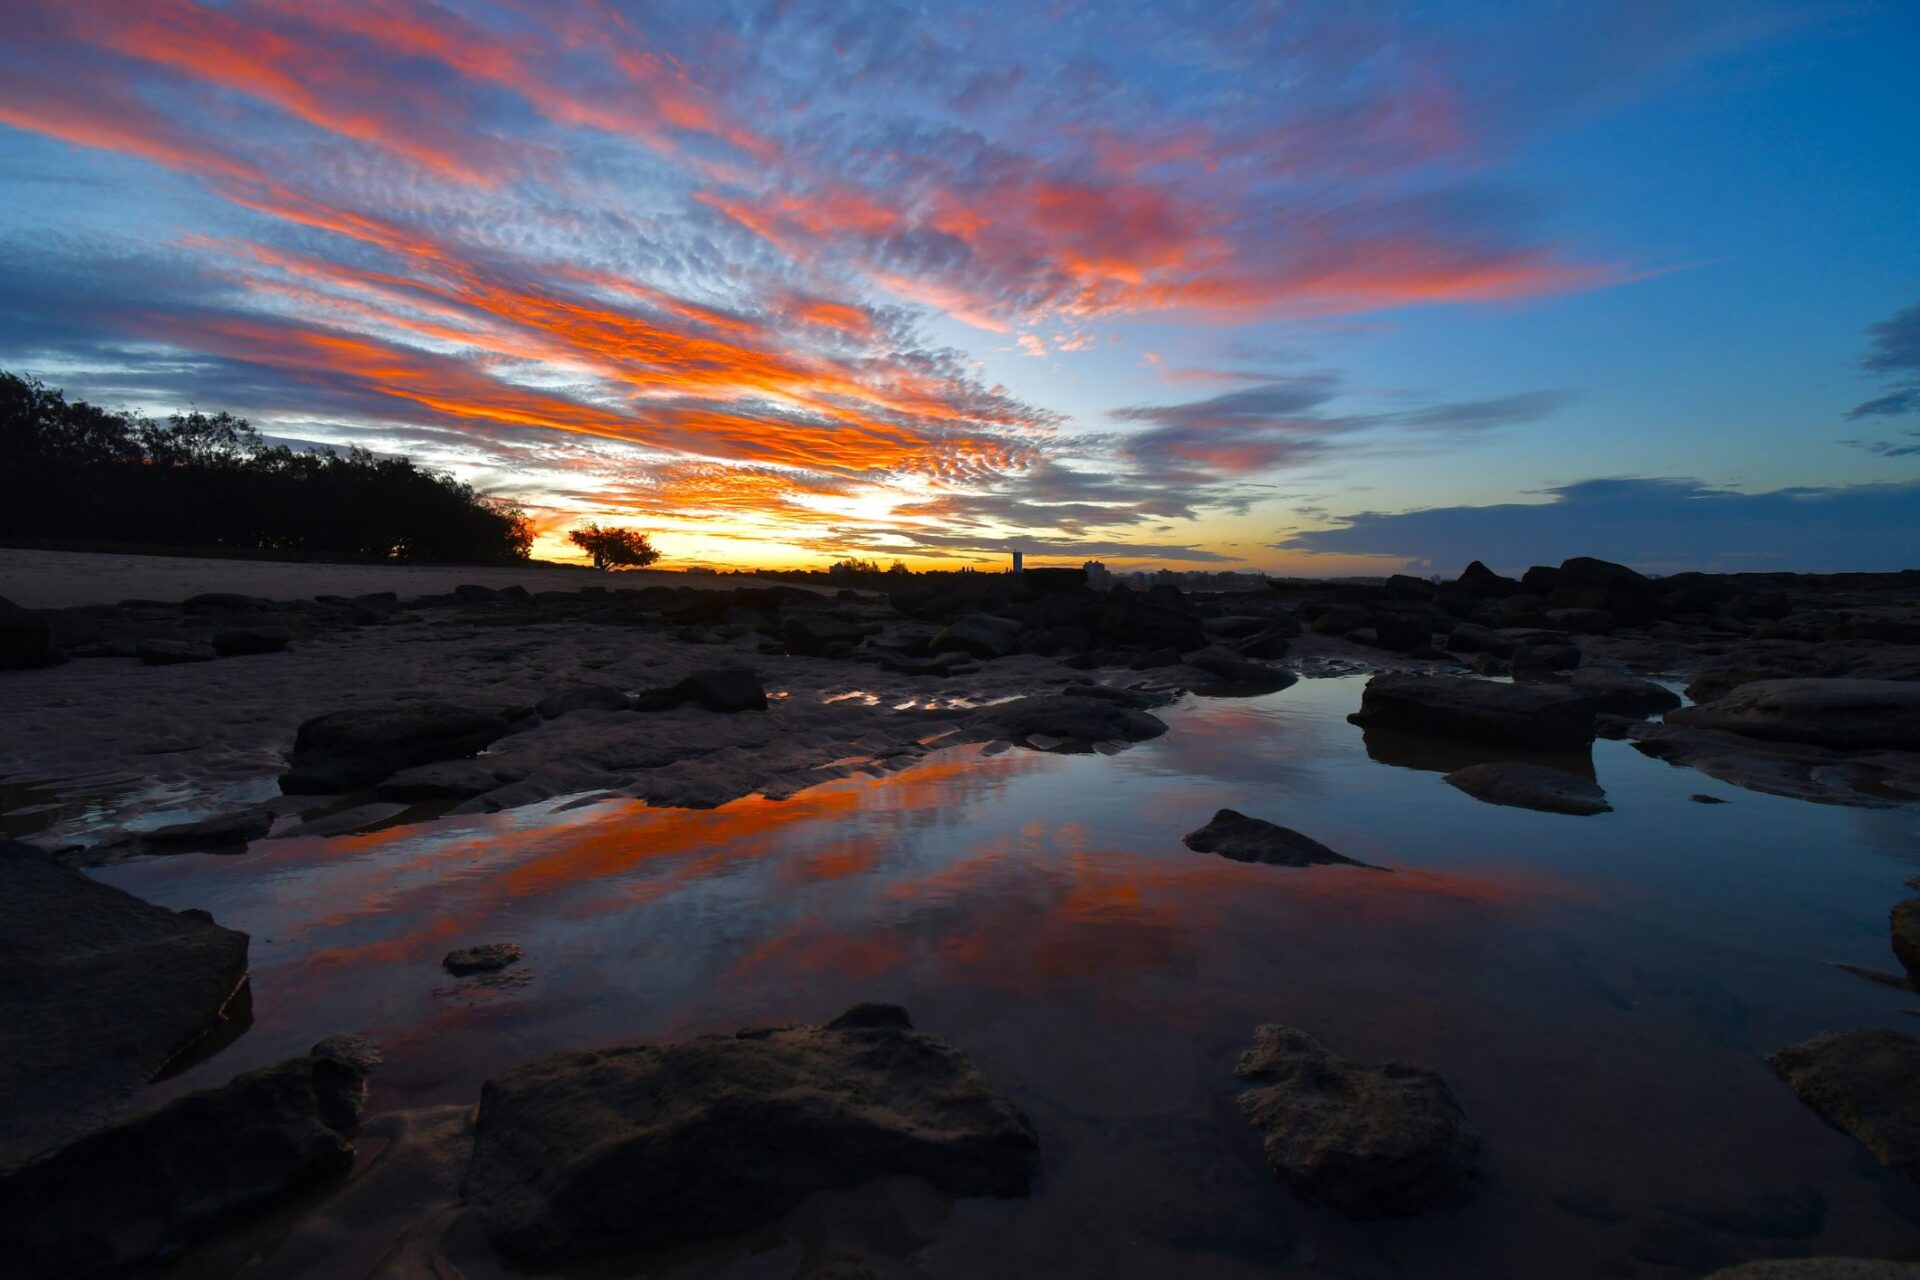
71, 470
614, 548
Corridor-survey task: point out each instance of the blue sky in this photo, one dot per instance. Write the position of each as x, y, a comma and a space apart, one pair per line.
1218, 285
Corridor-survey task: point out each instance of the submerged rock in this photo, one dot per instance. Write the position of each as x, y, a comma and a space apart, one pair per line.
645, 1145
1531, 786
488, 957
1243, 839
1366, 1141
230, 831
1844, 713
1072, 719
1546, 716
102, 991
346, 750
1865, 1082
143, 1189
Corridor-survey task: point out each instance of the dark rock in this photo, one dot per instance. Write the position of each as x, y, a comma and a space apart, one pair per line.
144, 1189
102, 991
1549, 717
1076, 721
1340, 619
488, 957
237, 642
222, 602
1237, 626
1365, 1141
1590, 1205
1243, 839
725, 689
1624, 695
222, 830
1540, 580
1484, 581
26, 638
1155, 659
1845, 713
1905, 922
981, 636
1545, 657
1820, 1269
583, 697
346, 750
1531, 786
812, 634
1583, 622
1864, 1082
441, 780
1699, 798
1234, 671
1471, 637
1402, 632
1586, 583
473, 593
645, 1145
1408, 587
169, 653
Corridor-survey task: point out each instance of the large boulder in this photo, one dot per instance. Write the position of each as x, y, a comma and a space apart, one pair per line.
1531, 786
645, 1145
1586, 583
1845, 713
1624, 695
813, 633
725, 689
142, 1190
229, 831
102, 991
1366, 1141
980, 635
1865, 1082
1549, 717
26, 638
1243, 839
1065, 719
346, 750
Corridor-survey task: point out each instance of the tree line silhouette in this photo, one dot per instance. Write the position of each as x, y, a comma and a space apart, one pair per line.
74, 472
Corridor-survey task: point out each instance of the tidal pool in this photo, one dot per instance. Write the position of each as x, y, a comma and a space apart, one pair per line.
1599, 991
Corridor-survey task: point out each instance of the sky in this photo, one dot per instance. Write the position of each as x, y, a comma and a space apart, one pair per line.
1307, 288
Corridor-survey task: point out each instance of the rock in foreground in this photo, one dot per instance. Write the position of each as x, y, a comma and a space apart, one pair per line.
1843, 713
143, 1189
1865, 1082
646, 1145
1235, 835
1531, 786
488, 957
102, 991
1071, 719
1366, 1141
1820, 1269
346, 750
1547, 717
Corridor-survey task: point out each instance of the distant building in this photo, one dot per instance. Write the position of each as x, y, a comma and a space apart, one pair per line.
1097, 576
1019, 562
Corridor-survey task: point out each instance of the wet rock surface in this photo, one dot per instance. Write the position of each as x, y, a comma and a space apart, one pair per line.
103, 990
346, 750
141, 1190
1531, 786
1069, 719
1545, 717
1851, 714
1365, 1141
641, 1145
1820, 1269
229, 831
1866, 1083
488, 957
1243, 839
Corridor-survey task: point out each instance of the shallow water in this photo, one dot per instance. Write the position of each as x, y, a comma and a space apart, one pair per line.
1599, 991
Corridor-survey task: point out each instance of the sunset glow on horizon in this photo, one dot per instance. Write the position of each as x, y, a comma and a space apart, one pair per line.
1302, 288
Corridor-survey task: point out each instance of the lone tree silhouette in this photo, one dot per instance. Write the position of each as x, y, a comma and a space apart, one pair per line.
614, 548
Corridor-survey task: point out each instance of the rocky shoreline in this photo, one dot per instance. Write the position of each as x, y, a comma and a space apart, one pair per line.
207, 724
